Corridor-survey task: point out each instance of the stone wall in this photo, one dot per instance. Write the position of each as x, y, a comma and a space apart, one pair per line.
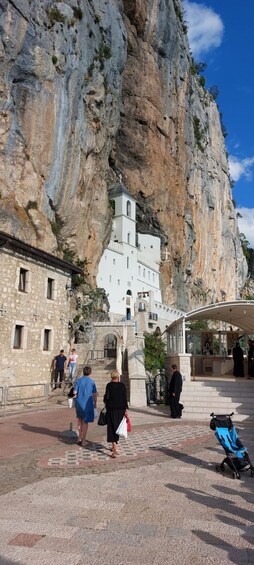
34, 312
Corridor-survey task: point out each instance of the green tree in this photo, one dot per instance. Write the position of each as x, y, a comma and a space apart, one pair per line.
214, 91
245, 247
198, 325
155, 352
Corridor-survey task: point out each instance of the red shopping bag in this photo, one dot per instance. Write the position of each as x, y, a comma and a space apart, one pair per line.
128, 424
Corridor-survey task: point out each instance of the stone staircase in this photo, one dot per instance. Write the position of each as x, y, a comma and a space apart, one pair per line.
221, 396
101, 371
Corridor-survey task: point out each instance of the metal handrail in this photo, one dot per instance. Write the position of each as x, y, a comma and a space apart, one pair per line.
19, 400
95, 354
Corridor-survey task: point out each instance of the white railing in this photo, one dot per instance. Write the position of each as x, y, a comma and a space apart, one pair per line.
115, 246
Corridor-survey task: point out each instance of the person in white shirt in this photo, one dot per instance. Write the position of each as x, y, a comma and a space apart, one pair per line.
72, 363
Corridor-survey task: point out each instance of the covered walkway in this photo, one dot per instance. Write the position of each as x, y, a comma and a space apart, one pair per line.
209, 351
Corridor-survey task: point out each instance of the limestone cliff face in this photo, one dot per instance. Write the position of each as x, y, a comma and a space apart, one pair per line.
90, 89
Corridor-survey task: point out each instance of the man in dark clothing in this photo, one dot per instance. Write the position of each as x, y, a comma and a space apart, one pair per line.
251, 359
238, 360
59, 366
175, 389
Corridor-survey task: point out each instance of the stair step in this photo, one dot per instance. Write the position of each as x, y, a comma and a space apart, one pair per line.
236, 417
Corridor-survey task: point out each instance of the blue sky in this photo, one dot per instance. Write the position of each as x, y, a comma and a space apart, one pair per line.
221, 34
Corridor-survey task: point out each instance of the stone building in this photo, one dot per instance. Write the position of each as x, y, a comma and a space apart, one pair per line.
34, 311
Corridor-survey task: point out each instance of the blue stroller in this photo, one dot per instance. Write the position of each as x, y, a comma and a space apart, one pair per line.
237, 457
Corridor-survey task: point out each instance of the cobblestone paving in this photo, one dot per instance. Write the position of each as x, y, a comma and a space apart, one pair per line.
137, 444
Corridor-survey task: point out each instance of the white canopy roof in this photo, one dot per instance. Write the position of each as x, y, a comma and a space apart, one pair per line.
239, 313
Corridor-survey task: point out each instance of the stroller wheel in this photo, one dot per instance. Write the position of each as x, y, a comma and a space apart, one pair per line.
236, 475
218, 468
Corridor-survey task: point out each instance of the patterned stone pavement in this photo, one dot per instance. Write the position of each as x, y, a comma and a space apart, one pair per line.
160, 502
137, 444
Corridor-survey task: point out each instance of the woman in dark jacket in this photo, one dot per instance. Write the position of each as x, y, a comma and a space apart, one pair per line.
115, 399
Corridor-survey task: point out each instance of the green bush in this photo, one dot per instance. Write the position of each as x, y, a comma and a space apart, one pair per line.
201, 81
54, 59
78, 14
214, 91
31, 205
56, 16
155, 352
104, 52
198, 132
178, 11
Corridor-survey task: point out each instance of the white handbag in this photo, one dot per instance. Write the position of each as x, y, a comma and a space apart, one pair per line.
122, 428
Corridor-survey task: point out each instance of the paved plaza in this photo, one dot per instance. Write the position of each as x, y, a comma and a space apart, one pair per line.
159, 502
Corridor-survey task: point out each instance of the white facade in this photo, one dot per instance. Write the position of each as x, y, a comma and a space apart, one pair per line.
130, 264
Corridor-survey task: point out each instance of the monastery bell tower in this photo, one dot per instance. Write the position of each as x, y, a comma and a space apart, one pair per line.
124, 222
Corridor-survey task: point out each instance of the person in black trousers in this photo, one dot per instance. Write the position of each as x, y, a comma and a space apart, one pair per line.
59, 368
238, 360
115, 399
175, 389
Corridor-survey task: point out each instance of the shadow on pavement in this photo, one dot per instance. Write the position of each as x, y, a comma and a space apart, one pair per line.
189, 459
48, 432
154, 410
38, 430
235, 554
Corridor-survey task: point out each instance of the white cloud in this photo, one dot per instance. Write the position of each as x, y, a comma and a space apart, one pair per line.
240, 167
205, 27
246, 224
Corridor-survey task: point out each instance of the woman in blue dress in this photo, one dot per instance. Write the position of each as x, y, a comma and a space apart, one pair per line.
85, 394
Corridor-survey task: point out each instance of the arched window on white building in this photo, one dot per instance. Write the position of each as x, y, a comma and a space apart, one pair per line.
113, 206
128, 262
128, 237
139, 270
128, 304
128, 208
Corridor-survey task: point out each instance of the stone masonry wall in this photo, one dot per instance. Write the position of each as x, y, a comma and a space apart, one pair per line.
33, 310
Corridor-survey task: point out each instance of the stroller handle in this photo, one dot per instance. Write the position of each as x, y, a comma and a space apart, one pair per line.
228, 415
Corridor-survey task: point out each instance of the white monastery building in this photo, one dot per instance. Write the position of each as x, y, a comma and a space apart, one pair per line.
129, 269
